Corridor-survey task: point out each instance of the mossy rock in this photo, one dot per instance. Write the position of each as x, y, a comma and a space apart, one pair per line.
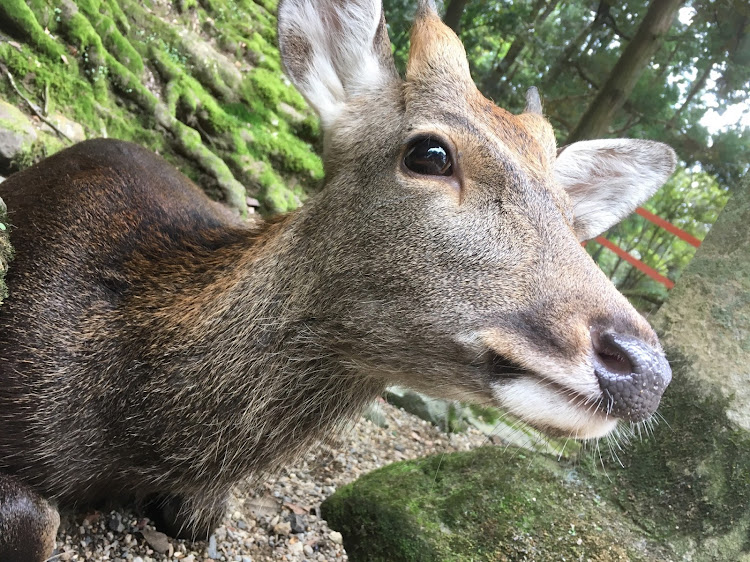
488, 504
6, 251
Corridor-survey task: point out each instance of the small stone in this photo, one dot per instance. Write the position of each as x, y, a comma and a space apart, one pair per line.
115, 522
297, 523
283, 528
296, 547
74, 131
16, 133
211, 551
336, 537
156, 540
308, 550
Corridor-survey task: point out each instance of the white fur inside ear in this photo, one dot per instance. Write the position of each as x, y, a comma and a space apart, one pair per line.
607, 179
329, 53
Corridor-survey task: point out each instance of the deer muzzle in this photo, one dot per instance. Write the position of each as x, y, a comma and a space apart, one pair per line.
632, 375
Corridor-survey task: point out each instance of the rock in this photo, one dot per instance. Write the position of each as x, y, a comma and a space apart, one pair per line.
115, 523
446, 414
282, 528
74, 131
296, 546
17, 134
694, 467
156, 540
502, 503
211, 550
297, 523
292, 114
375, 414
214, 66
336, 537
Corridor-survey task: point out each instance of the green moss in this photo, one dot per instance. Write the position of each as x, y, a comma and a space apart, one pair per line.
486, 414
489, 504
689, 481
680, 481
22, 20
270, 87
6, 251
130, 74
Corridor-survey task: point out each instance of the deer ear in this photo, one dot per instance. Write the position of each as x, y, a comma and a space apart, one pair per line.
333, 50
607, 179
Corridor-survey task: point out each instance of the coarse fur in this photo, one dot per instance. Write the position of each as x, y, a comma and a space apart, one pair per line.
153, 345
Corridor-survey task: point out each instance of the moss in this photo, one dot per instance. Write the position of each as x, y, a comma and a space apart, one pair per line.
272, 89
6, 251
19, 20
489, 504
688, 482
131, 73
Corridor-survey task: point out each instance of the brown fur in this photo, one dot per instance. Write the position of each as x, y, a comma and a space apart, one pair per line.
151, 343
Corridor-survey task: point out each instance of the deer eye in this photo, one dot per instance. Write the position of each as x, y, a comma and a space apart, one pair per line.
428, 157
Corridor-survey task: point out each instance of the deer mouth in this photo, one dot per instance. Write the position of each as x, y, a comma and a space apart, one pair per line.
546, 404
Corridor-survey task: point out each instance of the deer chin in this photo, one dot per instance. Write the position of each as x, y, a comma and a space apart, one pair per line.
553, 409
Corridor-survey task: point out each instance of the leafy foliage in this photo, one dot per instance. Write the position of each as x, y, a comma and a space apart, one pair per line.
568, 49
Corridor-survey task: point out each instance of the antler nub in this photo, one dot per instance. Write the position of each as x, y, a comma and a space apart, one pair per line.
533, 101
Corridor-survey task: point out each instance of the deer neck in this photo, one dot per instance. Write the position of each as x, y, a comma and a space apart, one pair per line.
264, 355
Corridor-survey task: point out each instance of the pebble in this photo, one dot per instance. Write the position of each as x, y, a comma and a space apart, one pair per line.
211, 551
297, 523
336, 537
276, 519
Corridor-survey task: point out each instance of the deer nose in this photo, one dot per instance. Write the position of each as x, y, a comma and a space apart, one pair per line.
632, 375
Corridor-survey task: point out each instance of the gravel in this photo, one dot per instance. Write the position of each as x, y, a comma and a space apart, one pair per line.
279, 519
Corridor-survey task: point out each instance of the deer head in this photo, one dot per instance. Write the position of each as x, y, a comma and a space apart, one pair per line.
452, 229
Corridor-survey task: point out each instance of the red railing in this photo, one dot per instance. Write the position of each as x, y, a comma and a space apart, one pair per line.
638, 264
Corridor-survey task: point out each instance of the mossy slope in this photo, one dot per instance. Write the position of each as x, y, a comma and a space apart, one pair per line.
198, 81
5, 250
489, 504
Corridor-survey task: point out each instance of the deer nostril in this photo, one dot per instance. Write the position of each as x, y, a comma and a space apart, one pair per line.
632, 375
613, 358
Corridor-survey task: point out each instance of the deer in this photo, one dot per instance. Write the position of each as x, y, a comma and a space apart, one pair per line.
154, 345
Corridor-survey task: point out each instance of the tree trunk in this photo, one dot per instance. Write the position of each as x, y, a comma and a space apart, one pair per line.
453, 14
625, 74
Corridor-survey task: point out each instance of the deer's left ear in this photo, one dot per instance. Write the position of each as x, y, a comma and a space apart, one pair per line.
607, 179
